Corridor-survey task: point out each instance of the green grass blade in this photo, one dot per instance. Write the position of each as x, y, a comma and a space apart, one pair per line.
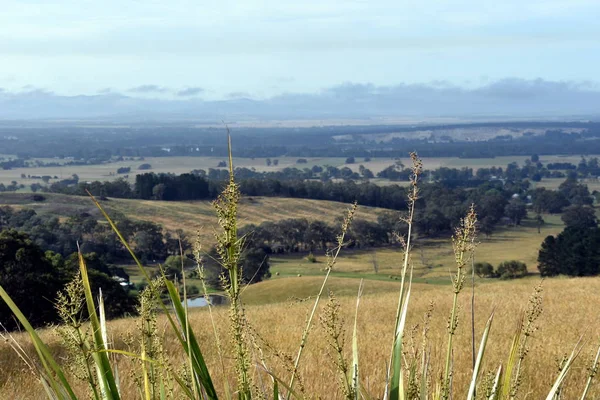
565, 370
60, 386
494, 392
201, 375
200, 371
591, 375
121, 238
355, 378
275, 390
397, 382
505, 383
480, 354
106, 379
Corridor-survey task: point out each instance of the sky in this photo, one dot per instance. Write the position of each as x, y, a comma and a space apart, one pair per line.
262, 49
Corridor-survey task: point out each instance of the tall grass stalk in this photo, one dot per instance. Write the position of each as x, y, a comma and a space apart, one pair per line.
463, 243
331, 261
394, 387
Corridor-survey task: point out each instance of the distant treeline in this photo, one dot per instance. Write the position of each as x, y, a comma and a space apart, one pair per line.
93, 145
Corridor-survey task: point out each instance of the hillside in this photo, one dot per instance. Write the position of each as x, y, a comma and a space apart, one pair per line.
191, 217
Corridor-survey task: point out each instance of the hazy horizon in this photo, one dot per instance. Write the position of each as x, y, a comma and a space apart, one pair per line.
315, 59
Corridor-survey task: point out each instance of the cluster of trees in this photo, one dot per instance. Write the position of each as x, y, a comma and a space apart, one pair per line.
172, 187
301, 235
25, 268
49, 233
12, 163
570, 192
13, 187
505, 270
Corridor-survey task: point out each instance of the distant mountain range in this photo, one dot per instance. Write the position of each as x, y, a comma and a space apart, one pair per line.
508, 98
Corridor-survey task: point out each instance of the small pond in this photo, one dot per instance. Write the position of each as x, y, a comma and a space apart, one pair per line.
201, 301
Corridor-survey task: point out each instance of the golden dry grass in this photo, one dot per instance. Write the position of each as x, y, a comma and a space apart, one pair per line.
569, 312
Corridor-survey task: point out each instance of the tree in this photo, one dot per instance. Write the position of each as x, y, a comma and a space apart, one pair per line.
484, 270
549, 201
539, 221
535, 158
486, 226
516, 210
173, 267
579, 217
255, 265
145, 166
575, 192
511, 270
149, 242
268, 162
158, 191
574, 252
350, 160
29, 278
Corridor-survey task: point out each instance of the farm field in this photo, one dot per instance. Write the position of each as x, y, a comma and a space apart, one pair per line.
179, 165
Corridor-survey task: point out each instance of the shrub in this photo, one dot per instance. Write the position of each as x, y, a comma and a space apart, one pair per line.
511, 270
484, 270
145, 166
311, 258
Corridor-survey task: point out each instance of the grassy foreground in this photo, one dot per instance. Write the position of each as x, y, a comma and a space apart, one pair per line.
568, 313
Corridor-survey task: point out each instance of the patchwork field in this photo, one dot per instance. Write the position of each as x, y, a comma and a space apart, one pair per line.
179, 165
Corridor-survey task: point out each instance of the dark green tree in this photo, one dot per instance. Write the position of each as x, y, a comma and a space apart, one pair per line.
574, 252
29, 278
578, 216
516, 210
511, 270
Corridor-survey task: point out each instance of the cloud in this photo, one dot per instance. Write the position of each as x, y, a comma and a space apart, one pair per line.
190, 91
148, 89
238, 95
